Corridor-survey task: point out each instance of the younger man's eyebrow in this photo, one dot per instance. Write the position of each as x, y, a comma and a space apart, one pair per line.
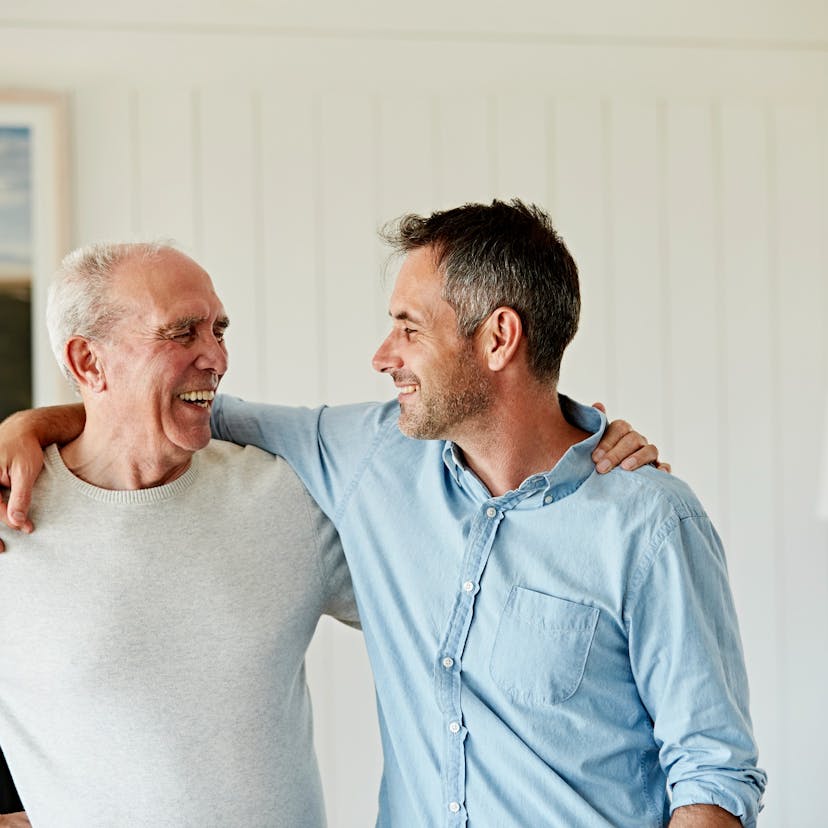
404, 316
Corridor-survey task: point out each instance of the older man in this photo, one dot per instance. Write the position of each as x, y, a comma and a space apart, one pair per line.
153, 630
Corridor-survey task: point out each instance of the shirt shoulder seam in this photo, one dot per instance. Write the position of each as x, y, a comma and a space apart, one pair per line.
379, 437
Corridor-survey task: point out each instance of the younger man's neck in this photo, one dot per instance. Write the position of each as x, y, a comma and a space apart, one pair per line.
527, 437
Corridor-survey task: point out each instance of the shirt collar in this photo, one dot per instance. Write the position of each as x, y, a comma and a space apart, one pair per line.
569, 472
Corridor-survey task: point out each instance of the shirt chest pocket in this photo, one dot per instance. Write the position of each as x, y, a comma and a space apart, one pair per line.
541, 647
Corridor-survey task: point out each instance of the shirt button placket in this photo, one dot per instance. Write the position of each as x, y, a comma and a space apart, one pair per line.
451, 679
455, 730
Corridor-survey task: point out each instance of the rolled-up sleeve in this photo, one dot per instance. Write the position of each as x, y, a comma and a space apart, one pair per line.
689, 667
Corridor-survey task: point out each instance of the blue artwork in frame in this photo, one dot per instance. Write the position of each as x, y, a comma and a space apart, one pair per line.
33, 239
15, 269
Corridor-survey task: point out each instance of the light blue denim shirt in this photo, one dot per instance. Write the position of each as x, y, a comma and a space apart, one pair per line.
566, 654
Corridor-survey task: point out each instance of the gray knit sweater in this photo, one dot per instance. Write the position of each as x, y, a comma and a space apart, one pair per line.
152, 647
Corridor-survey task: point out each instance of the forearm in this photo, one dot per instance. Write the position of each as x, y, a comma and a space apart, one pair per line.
22, 438
18, 820
703, 816
53, 424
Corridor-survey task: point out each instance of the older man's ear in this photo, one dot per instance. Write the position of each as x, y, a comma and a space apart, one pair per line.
84, 361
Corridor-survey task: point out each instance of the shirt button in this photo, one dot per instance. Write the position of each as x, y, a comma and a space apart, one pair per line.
491, 511
548, 499
468, 586
454, 727
454, 807
448, 662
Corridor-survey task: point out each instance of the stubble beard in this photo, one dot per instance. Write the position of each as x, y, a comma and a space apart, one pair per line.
458, 396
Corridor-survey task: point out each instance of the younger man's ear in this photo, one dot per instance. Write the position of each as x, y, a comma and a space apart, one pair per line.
502, 333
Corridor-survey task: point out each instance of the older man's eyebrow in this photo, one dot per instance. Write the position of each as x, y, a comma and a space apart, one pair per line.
183, 323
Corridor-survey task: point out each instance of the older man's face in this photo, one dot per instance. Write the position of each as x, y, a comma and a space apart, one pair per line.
165, 358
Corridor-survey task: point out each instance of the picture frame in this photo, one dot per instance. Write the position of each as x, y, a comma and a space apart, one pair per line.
34, 236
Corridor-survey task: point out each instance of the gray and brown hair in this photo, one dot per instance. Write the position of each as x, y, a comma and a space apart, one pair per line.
501, 254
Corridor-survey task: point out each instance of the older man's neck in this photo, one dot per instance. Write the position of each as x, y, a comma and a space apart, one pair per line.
514, 440
112, 464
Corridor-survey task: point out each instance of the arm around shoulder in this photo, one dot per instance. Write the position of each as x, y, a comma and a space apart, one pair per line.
22, 437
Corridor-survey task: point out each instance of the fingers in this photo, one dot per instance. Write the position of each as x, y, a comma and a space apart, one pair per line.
14, 517
600, 406
17, 479
622, 446
614, 432
645, 455
24, 526
19, 502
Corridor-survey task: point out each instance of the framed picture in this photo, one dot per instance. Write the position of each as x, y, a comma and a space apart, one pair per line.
33, 239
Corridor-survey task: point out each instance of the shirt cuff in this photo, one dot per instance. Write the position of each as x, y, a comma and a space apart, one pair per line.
693, 792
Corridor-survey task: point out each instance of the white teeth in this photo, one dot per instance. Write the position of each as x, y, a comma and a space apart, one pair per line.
408, 389
197, 396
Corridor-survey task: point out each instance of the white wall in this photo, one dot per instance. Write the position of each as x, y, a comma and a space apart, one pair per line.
682, 153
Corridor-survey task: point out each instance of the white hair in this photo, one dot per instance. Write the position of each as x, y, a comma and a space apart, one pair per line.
79, 303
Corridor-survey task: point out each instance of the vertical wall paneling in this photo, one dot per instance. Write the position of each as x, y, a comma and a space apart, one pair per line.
800, 219
521, 148
341, 685
195, 172
637, 292
350, 302
465, 151
352, 287
405, 176
580, 198
695, 338
292, 321
163, 203
752, 430
228, 171
103, 165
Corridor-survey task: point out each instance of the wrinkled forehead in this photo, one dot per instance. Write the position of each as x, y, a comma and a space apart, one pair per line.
168, 284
